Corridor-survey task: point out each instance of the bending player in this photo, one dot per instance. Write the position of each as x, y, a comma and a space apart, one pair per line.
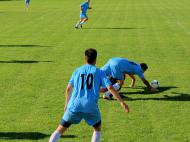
117, 68
83, 10
85, 84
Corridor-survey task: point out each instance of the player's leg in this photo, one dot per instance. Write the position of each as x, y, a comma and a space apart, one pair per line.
108, 95
59, 131
83, 17
67, 119
97, 132
94, 120
83, 21
27, 2
78, 23
116, 85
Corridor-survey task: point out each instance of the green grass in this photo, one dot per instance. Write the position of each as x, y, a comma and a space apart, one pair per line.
39, 50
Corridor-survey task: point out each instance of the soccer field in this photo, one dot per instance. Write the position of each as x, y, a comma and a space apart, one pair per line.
39, 50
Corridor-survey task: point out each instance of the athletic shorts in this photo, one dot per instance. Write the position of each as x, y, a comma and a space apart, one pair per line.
76, 117
113, 80
83, 15
27, 1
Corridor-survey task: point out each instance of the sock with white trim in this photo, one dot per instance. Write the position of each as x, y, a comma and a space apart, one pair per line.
96, 136
55, 136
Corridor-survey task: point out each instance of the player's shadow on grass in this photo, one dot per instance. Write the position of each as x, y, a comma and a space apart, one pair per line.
23, 135
27, 135
115, 28
22, 45
179, 97
145, 92
23, 61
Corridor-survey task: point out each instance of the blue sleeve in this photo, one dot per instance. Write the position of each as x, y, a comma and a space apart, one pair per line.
71, 81
140, 74
105, 82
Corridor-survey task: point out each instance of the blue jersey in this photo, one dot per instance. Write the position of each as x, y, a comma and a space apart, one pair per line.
86, 82
118, 67
85, 7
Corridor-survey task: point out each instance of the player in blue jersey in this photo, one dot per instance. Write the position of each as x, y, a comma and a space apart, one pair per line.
84, 85
83, 10
117, 68
27, 3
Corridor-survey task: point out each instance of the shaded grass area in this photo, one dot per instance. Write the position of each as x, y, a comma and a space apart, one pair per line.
27, 135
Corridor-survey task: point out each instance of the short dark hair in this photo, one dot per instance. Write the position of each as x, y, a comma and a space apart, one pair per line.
144, 66
90, 55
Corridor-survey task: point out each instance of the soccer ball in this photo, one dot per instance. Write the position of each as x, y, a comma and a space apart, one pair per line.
155, 84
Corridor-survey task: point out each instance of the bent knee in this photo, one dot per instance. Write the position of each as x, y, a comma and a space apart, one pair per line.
97, 126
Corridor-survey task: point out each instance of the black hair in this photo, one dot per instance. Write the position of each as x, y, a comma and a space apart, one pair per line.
90, 55
144, 66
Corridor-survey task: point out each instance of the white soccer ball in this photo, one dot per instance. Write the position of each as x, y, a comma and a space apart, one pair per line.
155, 84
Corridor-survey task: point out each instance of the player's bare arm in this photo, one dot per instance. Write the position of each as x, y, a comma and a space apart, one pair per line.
148, 85
117, 96
67, 95
132, 81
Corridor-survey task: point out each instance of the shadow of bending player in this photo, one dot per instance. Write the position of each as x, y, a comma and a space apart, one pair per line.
173, 97
179, 97
146, 92
27, 135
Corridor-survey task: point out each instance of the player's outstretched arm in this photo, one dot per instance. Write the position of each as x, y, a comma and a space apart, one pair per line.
148, 85
67, 95
117, 96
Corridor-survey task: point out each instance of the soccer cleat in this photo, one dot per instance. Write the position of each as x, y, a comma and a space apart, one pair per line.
76, 27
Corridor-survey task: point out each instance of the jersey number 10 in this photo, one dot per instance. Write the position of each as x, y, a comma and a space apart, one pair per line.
89, 81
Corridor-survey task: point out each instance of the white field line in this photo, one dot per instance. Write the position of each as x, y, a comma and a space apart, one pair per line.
183, 28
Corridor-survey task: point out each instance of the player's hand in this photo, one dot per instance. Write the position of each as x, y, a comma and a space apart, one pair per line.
125, 107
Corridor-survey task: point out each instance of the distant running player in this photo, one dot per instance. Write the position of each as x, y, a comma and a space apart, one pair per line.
27, 3
117, 68
83, 10
84, 85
